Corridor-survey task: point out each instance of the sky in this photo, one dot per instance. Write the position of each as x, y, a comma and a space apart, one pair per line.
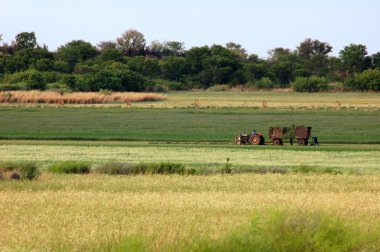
257, 25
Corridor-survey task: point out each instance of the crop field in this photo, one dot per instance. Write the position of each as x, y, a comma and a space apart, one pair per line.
273, 198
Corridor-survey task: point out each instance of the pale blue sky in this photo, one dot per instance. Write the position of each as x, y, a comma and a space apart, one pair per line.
257, 25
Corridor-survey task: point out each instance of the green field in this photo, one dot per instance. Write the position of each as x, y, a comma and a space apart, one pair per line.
181, 124
277, 198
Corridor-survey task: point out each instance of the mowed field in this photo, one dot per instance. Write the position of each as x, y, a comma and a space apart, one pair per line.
277, 198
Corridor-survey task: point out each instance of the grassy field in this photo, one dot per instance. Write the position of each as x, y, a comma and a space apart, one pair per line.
334, 207
274, 100
181, 124
343, 158
65, 212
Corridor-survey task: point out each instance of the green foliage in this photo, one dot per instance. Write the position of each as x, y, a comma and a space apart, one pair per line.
311, 84
264, 83
162, 168
75, 167
27, 170
31, 79
227, 168
76, 51
218, 88
114, 168
25, 40
285, 230
367, 80
354, 58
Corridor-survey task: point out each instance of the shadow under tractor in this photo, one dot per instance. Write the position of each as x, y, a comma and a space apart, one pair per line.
277, 136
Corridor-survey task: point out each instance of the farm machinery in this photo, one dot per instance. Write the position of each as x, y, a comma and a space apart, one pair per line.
277, 136
250, 138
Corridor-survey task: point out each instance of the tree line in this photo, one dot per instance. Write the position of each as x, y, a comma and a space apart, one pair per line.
130, 64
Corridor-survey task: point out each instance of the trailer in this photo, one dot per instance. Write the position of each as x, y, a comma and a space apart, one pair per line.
277, 135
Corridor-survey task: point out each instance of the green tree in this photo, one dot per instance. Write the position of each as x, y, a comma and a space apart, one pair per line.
173, 48
309, 48
132, 42
174, 68
76, 51
354, 58
282, 64
376, 60
25, 40
314, 56
238, 49
111, 54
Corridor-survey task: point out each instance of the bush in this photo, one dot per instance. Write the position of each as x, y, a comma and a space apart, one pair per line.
311, 84
264, 83
118, 169
76, 167
222, 87
150, 168
27, 170
367, 80
31, 79
162, 168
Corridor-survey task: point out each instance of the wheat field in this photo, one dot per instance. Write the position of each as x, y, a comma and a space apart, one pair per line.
92, 212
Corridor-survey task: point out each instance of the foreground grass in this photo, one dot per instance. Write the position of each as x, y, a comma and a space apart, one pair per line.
206, 157
181, 124
88, 212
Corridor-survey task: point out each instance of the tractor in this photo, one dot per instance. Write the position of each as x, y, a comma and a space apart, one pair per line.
250, 138
277, 135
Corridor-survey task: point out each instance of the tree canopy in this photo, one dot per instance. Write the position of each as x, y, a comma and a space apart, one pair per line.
128, 63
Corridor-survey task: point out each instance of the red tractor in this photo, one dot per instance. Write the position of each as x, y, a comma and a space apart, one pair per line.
250, 138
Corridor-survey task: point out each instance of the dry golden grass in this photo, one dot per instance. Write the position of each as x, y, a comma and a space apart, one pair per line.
77, 97
70, 212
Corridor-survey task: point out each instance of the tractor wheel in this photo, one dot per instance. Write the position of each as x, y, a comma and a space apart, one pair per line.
255, 140
302, 141
237, 141
277, 141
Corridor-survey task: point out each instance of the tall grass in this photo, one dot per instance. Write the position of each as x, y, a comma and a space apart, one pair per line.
283, 230
49, 97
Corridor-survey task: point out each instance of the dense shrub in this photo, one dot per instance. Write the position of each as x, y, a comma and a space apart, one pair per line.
264, 83
26, 170
311, 84
367, 80
77, 167
31, 79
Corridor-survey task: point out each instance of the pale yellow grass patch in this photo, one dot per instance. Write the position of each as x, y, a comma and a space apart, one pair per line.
76, 97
